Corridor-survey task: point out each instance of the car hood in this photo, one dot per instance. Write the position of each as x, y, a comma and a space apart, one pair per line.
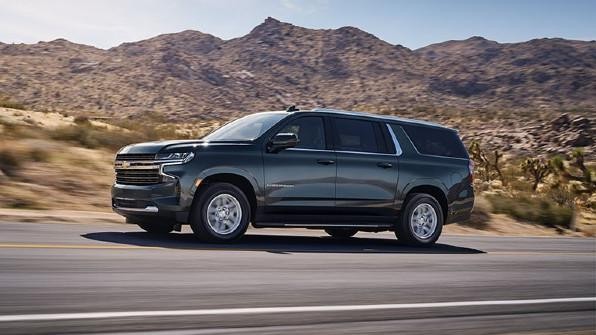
173, 146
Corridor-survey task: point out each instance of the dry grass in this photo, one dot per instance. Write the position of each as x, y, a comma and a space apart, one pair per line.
533, 209
48, 174
7, 103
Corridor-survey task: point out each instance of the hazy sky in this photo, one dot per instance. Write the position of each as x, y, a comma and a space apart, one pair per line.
107, 23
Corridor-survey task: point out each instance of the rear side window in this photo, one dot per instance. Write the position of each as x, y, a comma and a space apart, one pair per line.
357, 135
435, 141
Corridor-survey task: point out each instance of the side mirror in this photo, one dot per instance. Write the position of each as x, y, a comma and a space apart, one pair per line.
282, 141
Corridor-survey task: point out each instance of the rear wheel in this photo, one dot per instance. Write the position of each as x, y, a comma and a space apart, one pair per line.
157, 228
221, 213
421, 221
341, 232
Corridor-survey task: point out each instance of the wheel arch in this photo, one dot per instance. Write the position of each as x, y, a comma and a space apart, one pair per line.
431, 187
239, 178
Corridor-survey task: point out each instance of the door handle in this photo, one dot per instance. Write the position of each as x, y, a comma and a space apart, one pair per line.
325, 161
384, 165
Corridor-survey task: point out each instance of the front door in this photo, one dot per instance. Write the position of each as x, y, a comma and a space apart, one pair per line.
301, 180
366, 170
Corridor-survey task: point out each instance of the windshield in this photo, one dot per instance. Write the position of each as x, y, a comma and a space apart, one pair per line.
247, 128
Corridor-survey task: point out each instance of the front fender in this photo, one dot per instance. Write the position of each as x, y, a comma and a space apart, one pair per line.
228, 170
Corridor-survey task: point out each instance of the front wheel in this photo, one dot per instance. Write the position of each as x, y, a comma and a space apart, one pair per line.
421, 221
341, 232
221, 213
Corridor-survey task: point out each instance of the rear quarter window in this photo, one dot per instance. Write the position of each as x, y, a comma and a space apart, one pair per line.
435, 141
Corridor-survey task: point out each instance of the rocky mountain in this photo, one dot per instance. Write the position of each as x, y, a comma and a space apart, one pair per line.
538, 73
191, 74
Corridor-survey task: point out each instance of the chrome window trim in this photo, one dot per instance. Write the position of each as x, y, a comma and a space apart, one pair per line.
307, 149
364, 152
342, 151
398, 150
397, 146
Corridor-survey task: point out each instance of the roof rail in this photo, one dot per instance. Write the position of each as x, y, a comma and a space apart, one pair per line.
292, 109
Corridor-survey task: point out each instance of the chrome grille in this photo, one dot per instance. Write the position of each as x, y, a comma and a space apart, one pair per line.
137, 169
138, 177
135, 157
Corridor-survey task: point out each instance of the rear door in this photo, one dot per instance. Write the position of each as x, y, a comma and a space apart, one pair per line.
301, 180
367, 168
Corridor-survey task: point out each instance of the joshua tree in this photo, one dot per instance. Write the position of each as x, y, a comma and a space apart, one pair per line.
486, 162
588, 184
480, 158
497, 165
537, 168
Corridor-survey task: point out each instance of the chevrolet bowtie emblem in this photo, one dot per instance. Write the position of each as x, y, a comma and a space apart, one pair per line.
125, 164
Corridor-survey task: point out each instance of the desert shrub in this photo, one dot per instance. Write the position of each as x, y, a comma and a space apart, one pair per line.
39, 155
520, 185
10, 160
81, 120
150, 130
17, 196
29, 121
562, 196
24, 203
14, 131
78, 134
13, 157
6, 103
537, 210
115, 139
95, 137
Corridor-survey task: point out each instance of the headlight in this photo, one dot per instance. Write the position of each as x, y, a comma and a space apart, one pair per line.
183, 157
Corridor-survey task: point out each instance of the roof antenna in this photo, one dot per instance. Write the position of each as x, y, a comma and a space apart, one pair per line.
292, 109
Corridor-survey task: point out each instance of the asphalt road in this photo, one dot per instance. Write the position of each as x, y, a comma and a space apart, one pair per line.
82, 278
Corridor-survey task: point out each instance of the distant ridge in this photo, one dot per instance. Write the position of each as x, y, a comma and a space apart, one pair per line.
193, 74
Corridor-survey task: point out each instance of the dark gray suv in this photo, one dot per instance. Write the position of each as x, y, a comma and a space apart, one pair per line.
339, 171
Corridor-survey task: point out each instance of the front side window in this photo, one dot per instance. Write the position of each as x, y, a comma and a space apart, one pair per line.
310, 131
247, 128
356, 135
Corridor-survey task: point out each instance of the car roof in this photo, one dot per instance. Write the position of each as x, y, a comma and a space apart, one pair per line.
389, 118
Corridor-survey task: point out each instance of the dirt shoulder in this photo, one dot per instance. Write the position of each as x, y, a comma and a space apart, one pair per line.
59, 216
498, 224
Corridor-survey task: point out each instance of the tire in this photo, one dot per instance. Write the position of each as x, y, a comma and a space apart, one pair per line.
341, 233
411, 230
158, 229
221, 213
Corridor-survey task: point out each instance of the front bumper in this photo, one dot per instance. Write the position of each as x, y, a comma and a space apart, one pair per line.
149, 203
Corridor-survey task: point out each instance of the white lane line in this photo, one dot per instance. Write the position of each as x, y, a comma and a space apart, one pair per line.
291, 309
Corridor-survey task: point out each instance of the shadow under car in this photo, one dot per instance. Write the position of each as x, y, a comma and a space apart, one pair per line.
277, 244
